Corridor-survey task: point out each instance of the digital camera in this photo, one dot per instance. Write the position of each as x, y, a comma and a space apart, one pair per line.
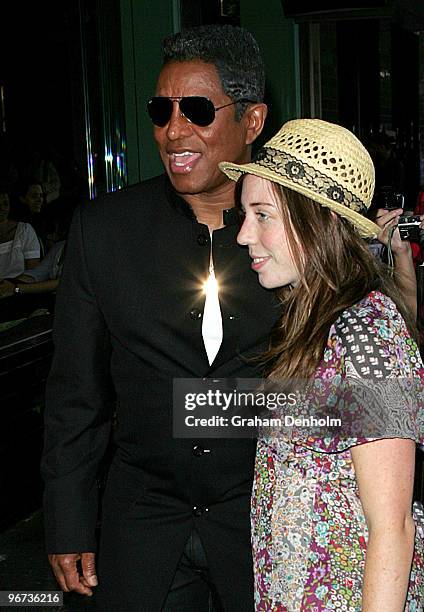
409, 227
390, 199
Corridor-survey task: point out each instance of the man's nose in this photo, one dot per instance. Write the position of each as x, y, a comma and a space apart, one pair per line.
178, 124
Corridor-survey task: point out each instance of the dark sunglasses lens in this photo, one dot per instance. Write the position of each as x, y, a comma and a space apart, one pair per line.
160, 110
198, 110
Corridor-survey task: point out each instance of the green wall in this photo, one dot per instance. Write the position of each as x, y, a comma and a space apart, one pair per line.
277, 38
144, 25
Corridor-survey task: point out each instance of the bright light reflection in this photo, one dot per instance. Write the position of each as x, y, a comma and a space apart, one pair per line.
210, 287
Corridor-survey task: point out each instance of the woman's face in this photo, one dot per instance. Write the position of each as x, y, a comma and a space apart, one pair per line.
34, 198
4, 206
263, 231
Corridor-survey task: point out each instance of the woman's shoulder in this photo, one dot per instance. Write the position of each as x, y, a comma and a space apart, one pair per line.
376, 339
374, 305
24, 228
25, 233
376, 313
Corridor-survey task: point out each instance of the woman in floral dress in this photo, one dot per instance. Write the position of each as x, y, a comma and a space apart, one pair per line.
332, 520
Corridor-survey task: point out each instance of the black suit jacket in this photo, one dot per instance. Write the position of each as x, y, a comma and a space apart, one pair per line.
128, 321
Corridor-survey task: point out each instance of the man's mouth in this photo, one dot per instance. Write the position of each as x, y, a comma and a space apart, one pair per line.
183, 162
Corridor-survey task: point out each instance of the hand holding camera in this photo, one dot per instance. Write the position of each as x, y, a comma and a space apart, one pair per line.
388, 221
392, 213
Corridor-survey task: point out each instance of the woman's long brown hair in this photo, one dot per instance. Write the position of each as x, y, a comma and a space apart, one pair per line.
336, 270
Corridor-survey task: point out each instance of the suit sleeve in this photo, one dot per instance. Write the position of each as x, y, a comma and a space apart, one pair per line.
79, 406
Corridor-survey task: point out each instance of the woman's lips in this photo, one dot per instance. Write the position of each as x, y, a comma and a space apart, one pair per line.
259, 262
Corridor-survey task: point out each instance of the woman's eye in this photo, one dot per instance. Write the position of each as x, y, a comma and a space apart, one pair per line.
262, 216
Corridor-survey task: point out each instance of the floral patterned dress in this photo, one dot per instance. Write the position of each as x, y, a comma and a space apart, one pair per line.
308, 528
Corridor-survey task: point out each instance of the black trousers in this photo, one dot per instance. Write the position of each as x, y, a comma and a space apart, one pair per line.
192, 589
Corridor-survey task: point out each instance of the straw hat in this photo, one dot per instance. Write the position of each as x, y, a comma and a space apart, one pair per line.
324, 162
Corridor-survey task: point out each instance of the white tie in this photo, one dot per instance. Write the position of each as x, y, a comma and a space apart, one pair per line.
212, 320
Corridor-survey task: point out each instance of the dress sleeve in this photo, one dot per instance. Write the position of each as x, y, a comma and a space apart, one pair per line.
80, 402
380, 392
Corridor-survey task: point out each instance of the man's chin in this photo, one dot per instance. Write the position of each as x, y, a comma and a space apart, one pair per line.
184, 184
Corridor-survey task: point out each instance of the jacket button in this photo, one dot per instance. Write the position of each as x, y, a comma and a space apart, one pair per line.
195, 313
199, 510
198, 450
202, 240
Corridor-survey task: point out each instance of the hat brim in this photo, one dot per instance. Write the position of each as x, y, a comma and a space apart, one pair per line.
365, 227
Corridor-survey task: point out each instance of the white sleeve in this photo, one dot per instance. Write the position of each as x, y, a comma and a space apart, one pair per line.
30, 243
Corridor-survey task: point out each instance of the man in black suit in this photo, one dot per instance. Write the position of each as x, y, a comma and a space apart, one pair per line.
130, 318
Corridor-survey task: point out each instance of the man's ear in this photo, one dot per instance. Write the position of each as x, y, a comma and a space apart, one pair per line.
255, 116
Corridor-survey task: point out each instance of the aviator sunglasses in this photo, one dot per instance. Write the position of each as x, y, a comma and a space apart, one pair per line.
197, 109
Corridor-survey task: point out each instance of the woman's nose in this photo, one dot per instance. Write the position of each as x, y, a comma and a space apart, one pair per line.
246, 234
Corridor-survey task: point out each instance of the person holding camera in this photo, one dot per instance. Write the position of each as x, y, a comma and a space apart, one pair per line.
401, 249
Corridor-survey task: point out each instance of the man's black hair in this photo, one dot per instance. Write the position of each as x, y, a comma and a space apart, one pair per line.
234, 53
